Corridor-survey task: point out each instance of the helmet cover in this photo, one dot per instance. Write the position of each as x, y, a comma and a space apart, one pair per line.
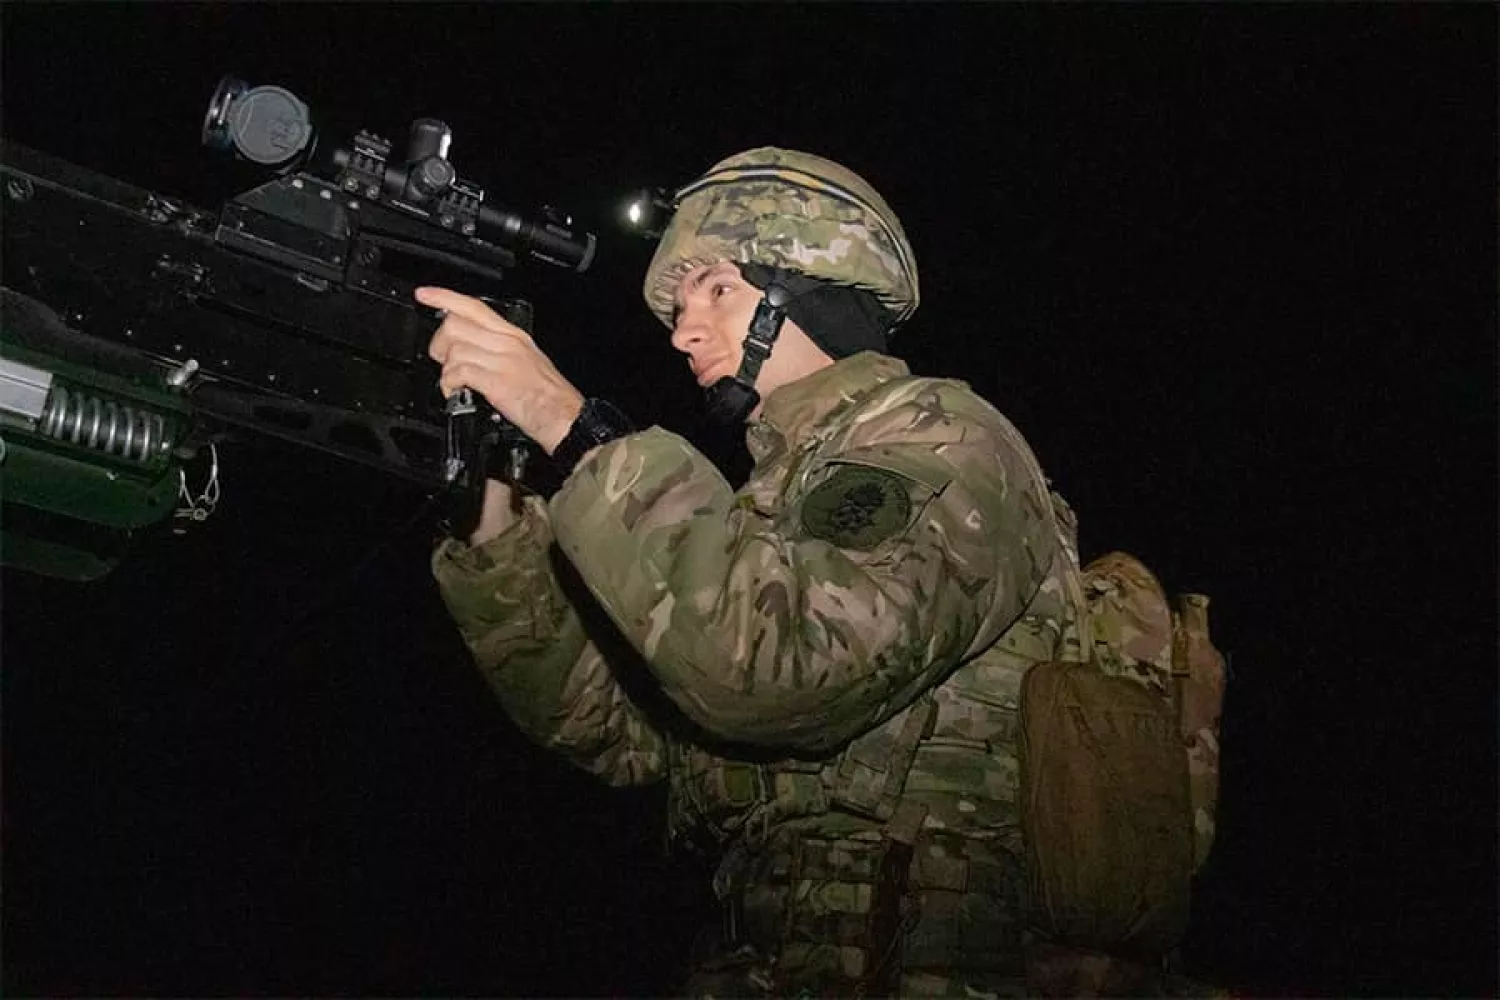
789, 210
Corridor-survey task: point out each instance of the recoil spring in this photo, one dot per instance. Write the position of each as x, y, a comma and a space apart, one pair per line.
129, 432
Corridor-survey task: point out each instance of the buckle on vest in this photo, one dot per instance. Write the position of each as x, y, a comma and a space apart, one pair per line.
744, 784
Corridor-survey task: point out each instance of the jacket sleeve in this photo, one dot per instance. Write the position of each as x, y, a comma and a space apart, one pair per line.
768, 624
533, 648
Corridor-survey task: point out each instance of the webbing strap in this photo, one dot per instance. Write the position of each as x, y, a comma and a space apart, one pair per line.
887, 923
872, 772
1181, 669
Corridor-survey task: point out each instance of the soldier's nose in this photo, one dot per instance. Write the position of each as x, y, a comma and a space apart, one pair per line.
685, 335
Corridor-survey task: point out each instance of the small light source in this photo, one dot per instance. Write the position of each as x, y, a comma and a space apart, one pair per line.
647, 212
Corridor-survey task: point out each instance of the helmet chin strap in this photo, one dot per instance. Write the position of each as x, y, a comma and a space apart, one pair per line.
732, 398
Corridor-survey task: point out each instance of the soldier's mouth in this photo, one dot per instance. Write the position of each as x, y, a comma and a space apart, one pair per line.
705, 373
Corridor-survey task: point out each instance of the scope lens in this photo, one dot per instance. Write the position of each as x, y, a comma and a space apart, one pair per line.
269, 125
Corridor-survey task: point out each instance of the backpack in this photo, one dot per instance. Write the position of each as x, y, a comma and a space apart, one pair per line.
1119, 768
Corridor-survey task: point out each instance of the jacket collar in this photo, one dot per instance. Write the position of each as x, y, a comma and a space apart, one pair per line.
792, 412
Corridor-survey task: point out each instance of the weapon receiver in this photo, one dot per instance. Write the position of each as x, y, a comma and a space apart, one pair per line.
136, 327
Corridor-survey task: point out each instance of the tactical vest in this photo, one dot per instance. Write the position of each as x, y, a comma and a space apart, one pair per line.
902, 861
933, 812
923, 806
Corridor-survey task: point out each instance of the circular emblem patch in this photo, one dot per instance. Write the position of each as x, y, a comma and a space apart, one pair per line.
857, 507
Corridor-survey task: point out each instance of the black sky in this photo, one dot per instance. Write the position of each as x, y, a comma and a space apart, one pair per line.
1231, 268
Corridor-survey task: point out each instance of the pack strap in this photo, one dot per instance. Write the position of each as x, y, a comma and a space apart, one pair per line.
1189, 606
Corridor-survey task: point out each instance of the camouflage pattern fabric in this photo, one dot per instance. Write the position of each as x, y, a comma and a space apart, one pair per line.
788, 209
766, 635
1137, 635
1201, 670
796, 927
885, 578
1131, 621
535, 650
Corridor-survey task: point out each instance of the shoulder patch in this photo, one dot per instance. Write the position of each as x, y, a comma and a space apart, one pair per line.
857, 507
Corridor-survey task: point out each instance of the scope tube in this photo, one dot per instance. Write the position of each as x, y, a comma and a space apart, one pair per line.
549, 243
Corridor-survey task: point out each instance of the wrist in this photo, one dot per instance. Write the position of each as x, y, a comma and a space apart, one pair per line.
598, 422
558, 429
501, 512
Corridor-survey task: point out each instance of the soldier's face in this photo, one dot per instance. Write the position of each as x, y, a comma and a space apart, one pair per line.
714, 307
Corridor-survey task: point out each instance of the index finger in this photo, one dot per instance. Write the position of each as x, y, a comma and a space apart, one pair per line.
457, 304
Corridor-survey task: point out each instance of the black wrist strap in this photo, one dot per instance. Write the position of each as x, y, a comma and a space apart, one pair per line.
599, 421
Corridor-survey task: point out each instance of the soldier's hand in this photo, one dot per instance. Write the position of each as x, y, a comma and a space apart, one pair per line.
480, 350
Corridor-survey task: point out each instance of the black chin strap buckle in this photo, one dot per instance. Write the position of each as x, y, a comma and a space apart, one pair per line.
731, 399
765, 326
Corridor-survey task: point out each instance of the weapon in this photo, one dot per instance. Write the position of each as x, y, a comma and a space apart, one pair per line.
138, 328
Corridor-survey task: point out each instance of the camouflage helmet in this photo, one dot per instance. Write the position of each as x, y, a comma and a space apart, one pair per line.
791, 210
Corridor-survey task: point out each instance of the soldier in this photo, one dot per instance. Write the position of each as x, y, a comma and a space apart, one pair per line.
832, 654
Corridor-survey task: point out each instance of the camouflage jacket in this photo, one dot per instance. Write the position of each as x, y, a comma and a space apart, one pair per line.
875, 592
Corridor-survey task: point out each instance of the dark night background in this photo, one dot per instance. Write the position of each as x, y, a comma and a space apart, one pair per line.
1230, 268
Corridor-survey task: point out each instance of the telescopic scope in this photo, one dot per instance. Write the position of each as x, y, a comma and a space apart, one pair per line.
271, 126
